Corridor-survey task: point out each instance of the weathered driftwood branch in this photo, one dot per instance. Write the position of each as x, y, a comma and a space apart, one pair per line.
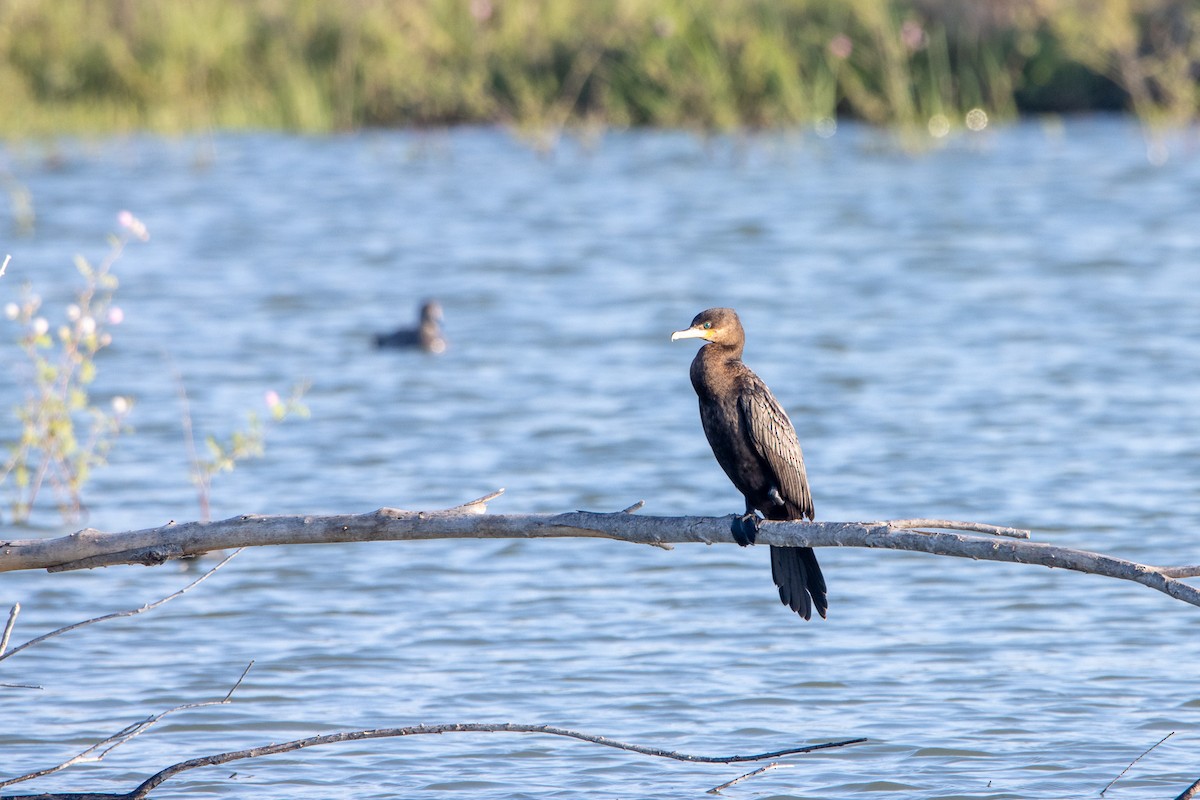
100, 749
354, 736
91, 548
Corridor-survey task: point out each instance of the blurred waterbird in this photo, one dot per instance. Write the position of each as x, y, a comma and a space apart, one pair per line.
427, 335
756, 445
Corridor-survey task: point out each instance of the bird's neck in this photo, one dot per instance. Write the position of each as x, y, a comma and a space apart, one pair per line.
714, 353
713, 368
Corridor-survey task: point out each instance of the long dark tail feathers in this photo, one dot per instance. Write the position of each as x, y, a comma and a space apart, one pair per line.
798, 576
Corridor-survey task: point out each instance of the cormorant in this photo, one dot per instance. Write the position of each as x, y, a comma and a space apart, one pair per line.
756, 445
427, 335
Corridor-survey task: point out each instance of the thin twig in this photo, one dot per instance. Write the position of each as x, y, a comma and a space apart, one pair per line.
8, 629
740, 778
189, 441
353, 736
1131, 763
20, 686
122, 736
114, 615
4, 266
954, 525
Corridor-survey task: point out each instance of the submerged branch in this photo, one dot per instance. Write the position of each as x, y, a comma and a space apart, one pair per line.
155, 780
100, 749
91, 548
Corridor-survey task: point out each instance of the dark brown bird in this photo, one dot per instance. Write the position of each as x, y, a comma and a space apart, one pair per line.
756, 445
427, 335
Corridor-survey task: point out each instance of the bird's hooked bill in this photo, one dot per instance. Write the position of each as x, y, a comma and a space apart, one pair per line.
689, 333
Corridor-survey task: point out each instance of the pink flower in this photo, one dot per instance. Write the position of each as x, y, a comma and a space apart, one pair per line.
481, 10
913, 35
272, 398
115, 316
840, 46
132, 224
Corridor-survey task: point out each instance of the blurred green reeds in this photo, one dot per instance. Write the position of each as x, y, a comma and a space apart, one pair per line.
81, 66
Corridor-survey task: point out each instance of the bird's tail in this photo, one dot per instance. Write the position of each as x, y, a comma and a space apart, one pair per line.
798, 576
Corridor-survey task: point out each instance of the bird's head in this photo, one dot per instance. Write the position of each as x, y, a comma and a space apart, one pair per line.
720, 326
431, 311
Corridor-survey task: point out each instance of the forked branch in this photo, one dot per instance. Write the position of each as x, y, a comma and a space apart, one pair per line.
100, 749
155, 780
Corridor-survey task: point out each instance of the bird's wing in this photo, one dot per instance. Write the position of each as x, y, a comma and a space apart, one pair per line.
774, 439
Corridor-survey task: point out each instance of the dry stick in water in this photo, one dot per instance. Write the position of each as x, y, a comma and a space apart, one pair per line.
114, 615
748, 775
12, 620
1131, 763
353, 736
124, 735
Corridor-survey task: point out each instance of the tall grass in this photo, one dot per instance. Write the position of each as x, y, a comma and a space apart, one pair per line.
80, 65
1150, 49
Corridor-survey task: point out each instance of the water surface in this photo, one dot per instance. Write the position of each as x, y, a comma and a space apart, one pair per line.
1005, 329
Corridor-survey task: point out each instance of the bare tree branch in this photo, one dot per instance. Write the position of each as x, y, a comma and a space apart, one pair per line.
99, 750
114, 615
8, 628
748, 775
381, 733
91, 548
1109, 785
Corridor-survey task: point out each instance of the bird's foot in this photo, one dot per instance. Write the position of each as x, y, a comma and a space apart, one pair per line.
745, 528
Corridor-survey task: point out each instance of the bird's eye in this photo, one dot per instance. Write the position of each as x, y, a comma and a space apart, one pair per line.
707, 326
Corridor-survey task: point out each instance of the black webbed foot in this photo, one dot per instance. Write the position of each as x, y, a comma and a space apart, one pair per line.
745, 528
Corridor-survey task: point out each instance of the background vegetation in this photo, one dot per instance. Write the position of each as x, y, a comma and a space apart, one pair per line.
309, 65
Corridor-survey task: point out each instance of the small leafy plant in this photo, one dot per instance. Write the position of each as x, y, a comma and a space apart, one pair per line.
64, 432
245, 443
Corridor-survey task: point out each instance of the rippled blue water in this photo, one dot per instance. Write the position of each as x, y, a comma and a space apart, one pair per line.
1005, 328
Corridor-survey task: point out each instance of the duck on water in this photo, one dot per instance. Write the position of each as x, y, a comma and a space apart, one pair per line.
427, 335
756, 445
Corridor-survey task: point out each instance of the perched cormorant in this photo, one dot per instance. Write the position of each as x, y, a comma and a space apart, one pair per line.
756, 445
427, 335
